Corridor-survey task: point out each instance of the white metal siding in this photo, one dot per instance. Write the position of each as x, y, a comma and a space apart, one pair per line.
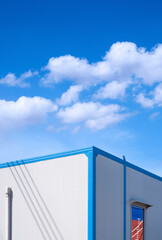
148, 190
63, 187
109, 199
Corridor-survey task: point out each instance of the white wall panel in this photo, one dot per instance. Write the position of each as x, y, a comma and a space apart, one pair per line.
109, 199
56, 192
148, 190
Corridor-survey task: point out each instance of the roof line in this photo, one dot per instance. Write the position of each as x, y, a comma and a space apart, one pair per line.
80, 151
45, 157
128, 164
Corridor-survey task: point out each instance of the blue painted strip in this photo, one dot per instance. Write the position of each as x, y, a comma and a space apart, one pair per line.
95, 153
47, 157
90, 195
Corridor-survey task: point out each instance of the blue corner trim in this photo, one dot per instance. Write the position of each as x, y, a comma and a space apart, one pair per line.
90, 195
124, 163
95, 153
108, 155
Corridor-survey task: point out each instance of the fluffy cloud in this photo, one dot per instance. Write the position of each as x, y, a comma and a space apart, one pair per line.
69, 68
124, 65
123, 62
155, 98
144, 101
94, 115
25, 111
12, 81
158, 95
112, 90
71, 95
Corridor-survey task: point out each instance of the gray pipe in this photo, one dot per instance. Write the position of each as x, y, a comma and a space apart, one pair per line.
9, 196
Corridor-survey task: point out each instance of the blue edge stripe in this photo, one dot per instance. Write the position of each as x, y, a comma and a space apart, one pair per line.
91, 153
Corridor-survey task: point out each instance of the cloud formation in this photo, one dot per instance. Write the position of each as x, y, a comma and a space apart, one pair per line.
154, 99
12, 81
126, 71
25, 111
113, 90
124, 62
144, 101
94, 115
71, 95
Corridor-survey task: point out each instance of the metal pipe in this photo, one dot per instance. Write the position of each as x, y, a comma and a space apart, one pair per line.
9, 196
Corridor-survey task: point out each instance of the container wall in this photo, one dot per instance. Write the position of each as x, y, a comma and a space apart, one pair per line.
109, 199
50, 199
148, 190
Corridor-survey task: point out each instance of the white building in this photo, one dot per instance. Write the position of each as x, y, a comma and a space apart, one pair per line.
86, 194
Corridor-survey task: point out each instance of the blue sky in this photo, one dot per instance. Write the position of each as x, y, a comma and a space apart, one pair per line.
79, 73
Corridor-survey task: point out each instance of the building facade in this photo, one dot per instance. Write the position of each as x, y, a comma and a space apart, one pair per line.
86, 194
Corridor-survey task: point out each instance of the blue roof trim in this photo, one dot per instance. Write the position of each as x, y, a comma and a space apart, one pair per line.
80, 151
141, 170
130, 165
47, 157
108, 155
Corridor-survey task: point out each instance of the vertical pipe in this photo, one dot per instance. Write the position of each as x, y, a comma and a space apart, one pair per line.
8, 195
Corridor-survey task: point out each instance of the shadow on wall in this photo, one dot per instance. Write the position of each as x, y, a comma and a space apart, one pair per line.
35, 202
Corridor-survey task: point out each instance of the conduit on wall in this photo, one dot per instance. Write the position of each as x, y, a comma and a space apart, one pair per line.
9, 195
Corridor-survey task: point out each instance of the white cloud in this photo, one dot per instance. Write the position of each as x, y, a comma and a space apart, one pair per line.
155, 100
25, 111
128, 60
112, 90
94, 115
12, 81
124, 65
124, 61
69, 68
71, 95
144, 101
158, 94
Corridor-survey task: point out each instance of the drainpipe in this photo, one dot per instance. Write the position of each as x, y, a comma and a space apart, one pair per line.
8, 195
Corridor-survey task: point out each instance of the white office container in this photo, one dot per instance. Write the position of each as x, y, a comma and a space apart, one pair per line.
80, 195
